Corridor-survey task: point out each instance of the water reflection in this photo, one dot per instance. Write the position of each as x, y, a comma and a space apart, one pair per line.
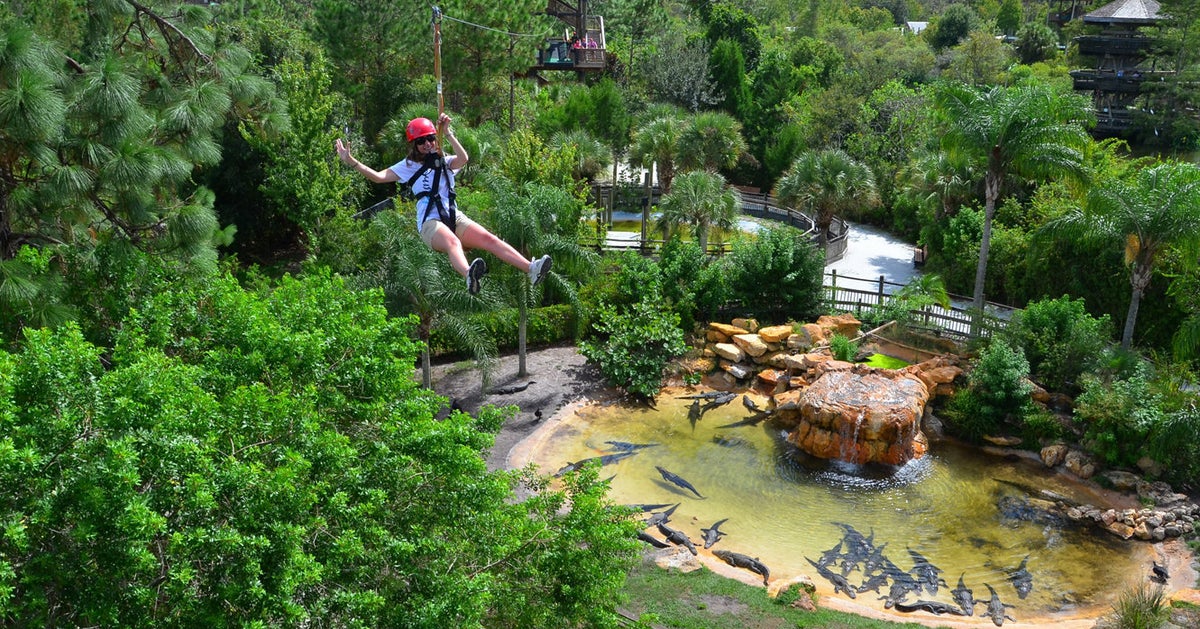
964, 510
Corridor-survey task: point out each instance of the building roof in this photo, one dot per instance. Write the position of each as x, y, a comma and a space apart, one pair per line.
916, 27
1125, 12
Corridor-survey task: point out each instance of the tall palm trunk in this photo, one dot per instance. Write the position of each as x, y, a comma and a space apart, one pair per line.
991, 184
1139, 279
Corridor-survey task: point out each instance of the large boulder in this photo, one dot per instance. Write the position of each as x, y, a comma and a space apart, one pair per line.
859, 415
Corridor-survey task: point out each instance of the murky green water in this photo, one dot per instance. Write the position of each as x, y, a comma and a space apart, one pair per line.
783, 506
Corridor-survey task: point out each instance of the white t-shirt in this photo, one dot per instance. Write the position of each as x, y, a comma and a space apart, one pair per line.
406, 169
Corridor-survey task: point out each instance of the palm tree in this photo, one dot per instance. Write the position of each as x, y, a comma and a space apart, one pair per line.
700, 199
827, 183
1029, 131
417, 280
657, 143
591, 156
935, 179
531, 219
1149, 212
712, 141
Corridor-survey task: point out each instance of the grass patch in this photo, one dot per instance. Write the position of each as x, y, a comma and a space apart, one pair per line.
883, 361
705, 600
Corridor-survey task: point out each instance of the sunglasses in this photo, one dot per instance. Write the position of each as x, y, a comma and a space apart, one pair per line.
424, 139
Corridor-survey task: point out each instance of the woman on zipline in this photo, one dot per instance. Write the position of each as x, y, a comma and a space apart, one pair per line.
441, 225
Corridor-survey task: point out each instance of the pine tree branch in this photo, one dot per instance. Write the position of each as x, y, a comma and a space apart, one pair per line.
166, 26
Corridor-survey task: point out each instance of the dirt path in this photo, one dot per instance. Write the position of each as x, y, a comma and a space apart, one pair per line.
558, 375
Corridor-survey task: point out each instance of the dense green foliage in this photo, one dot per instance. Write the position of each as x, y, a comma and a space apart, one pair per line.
997, 393
635, 345
1060, 340
776, 275
180, 449
274, 463
1118, 415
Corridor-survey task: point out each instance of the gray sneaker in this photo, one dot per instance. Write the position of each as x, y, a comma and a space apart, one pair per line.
476, 272
539, 269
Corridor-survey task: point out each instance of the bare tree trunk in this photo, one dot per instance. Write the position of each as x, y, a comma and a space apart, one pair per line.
522, 321
426, 369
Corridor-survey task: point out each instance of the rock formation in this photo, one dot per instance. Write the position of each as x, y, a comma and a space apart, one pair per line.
858, 414
833, 409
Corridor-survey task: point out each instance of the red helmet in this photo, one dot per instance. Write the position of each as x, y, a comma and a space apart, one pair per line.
419, 128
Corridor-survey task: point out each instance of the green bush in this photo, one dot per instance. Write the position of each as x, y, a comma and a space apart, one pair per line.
546, 326
842, 347
776, 275
1175, 442
636, 346
1060, 340
1118, 415
997, 393
1040, 426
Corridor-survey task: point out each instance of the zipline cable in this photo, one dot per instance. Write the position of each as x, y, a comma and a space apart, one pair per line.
494, 30
437, 68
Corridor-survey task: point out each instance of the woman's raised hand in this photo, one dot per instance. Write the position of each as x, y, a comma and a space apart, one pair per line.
343, 152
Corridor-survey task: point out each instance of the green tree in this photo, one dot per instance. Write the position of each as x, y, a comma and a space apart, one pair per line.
102, 143
711, 141
1036, 42
827, 183
728, 70
532, 219
794, 265
951, 27
591, 156
685, 81
701, 200
303, 183
1147, 214
728, 20
657, 144
1010, 17
266, 458
1027, 131
979, 59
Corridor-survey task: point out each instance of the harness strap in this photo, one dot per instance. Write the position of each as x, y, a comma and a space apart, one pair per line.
447, 215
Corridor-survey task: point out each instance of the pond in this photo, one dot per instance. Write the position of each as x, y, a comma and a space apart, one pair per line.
958, 507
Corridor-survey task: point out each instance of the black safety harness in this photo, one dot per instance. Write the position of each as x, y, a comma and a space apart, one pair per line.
447, 215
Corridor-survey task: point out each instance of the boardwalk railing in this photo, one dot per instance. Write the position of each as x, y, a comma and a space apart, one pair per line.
859, 295
754, 203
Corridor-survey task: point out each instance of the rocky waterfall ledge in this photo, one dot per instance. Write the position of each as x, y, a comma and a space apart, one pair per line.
857, 414
833, 409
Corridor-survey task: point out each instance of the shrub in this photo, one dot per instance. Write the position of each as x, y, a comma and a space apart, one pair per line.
842, 347
265, 458
1060, 340
1118, 415
1040, 426
997, 393
638, 345
777, 275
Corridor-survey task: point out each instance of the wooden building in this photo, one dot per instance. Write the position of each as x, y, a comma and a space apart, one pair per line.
1120, 48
